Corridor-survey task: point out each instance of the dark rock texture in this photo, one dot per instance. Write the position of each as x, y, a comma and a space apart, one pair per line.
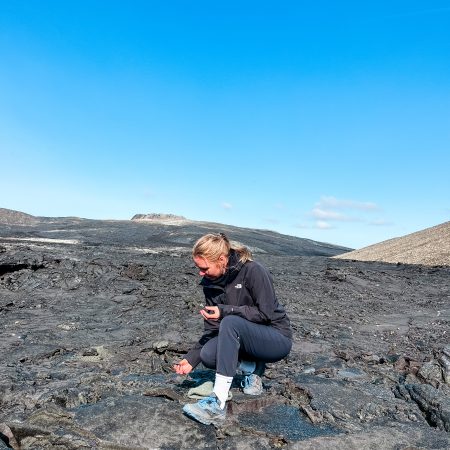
94, 314
153, 232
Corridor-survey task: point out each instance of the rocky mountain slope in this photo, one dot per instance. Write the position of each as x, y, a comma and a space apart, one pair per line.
11, 217
152, 231
430, 247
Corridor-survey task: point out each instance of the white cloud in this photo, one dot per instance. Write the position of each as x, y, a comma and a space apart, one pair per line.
226, 205
322, 225
333, 202
319, 213
329, 211
329, 208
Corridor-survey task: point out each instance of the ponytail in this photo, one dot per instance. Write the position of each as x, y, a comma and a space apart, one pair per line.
212, 246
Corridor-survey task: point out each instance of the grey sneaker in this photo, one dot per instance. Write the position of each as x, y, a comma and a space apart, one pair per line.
206, 411
252, 385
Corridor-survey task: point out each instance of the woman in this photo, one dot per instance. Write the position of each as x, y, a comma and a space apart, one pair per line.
244, 323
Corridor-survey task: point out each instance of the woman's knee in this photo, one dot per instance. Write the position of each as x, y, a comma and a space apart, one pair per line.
231, 321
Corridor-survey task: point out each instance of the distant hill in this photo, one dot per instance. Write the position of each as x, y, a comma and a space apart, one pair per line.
151, 231
428, 247
170, 219
11, 217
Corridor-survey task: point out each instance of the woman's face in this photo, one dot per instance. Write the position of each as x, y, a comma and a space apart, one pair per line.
210, 269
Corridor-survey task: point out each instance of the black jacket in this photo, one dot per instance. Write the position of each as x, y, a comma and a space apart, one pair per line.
246, 290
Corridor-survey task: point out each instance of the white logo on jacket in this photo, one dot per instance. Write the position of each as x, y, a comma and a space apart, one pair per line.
238, 286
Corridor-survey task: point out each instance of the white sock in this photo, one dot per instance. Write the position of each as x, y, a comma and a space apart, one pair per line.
247, 367
221, 387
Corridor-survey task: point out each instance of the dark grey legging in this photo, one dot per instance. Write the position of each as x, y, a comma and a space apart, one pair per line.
240, 338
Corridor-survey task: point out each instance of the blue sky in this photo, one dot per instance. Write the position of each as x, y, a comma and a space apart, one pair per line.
326, 120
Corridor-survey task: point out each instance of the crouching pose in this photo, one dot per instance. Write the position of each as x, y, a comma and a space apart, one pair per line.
245, 326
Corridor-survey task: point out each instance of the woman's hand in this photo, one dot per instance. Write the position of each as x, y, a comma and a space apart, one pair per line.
210, 312
183, 367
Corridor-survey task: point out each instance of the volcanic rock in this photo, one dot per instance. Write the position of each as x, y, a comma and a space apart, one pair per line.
95, 313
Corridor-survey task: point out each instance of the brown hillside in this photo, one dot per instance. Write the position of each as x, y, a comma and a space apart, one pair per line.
429, 247
11, 217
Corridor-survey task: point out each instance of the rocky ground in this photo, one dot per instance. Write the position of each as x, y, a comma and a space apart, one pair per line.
93, 319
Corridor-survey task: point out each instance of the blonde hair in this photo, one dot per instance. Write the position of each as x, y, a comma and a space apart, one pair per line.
213, 246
